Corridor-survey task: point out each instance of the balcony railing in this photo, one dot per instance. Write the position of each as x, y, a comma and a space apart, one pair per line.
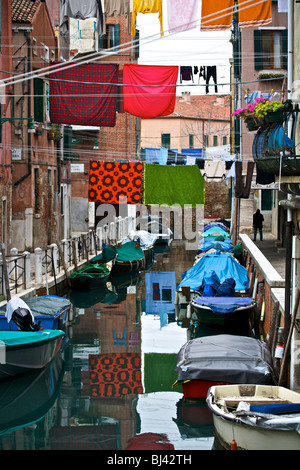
274, 149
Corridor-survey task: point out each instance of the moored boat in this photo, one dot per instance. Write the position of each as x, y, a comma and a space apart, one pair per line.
24, 351
227, 313
222, 359
130, 257
90, 276
45, 311
256, 417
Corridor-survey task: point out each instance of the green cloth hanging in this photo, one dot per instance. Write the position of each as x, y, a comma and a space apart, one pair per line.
168, 184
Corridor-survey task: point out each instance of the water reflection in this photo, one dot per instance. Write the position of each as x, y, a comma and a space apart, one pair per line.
116, 392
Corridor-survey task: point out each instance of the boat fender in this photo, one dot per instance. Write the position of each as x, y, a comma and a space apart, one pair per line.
233, 445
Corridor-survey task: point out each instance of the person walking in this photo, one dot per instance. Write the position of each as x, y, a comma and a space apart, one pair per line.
258, 219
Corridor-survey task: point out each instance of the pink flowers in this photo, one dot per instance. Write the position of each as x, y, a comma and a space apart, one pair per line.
243, 112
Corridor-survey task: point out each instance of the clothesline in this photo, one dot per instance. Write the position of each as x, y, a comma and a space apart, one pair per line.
112, 51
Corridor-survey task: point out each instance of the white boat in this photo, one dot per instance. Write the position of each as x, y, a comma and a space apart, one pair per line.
255, 417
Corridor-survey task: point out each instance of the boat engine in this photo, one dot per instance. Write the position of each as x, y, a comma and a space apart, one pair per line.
23, 319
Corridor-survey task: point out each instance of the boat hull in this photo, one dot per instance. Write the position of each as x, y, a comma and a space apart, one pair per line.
230, 426
25, 351
230, 321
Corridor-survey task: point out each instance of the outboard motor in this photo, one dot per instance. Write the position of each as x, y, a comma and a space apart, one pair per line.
23, 319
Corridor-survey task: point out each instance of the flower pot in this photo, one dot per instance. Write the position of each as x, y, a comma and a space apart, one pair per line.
252, 123
276, 116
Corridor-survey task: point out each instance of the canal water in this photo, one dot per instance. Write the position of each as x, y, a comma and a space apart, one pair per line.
111, 388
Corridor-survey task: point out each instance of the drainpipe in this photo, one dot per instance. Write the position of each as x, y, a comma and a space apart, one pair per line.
26, 34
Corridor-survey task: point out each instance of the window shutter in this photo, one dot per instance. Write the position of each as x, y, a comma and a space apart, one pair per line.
67, 142
38, 87
258, 62
285, 49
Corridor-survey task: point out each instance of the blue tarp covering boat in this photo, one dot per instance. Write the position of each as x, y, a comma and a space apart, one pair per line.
223, 305
223, 264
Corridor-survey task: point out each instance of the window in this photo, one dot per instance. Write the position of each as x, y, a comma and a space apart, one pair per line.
111, 39
205, 140
41, 100
270, 49
34, 46
224, 140
215, 140
191, 141
166, 140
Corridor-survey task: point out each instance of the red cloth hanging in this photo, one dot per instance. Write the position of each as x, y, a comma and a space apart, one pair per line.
112, 182
84, 95
149, 91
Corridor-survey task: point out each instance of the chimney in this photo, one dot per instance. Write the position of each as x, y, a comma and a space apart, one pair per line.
186, 96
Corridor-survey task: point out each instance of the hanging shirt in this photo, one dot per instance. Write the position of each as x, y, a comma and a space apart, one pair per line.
147, 6
149, 91
80, 10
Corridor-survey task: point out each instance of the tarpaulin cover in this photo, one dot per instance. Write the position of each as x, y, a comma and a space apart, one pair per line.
216, 245
149, 91
129, 252
225, 358
223, 305
45, 305
113, 182
217, 15
224, 265
115, 374
170, 185
84, 95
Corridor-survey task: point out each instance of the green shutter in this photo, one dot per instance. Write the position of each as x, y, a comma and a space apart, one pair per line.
258, 59
38, 87
67, 142
285, 49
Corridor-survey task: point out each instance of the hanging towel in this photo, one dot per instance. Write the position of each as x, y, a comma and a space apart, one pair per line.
112, 182
217, 15
149, 91
80, 10
147, 6
179, 184
182, 15
85, 95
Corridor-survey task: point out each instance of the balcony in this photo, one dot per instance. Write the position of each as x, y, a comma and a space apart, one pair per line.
274, 149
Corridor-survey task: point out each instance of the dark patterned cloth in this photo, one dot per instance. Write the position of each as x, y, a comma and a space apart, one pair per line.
115, 374
112, 182
84, 95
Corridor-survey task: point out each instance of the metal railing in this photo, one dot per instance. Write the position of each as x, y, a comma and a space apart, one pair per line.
25, 271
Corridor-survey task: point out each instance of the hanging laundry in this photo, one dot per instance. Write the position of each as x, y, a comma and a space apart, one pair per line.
147, 6
85, 95
159, 156
211, 72
80, 10
186, 73
243, 190
116, 8
113, 182
182, 14
149, 91
179, 184
218, 15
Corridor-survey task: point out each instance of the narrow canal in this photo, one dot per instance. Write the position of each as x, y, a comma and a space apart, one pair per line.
113, 390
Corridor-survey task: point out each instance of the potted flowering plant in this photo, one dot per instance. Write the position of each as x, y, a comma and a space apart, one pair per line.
261, 112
